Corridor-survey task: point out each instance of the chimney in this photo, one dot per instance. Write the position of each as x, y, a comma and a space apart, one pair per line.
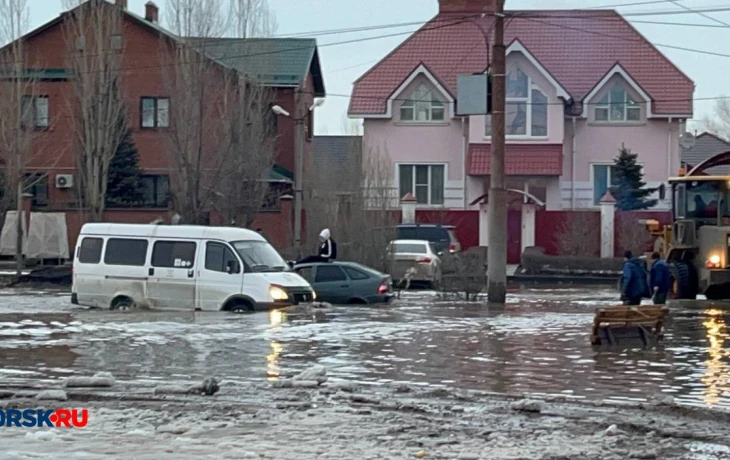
121, 4
151, 12
467, 6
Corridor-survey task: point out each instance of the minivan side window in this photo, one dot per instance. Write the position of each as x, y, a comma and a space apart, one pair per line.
90, 250
173, 254
218, 256
125, 251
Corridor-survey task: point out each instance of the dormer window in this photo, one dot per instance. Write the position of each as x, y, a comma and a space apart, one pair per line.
526, 110
617, 106
422, 106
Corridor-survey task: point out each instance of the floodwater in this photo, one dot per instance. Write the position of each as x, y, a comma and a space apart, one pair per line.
539, 344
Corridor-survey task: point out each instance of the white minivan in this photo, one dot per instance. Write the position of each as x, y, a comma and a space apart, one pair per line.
181, 267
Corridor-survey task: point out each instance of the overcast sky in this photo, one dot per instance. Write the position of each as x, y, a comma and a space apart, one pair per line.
344, 63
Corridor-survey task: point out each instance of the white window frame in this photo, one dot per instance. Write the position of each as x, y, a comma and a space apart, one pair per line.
531, 85
411, 103
34, 119
413, 166
593, 177
607, 107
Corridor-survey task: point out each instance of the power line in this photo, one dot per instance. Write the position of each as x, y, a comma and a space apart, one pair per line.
622, 5
433, 25
557, 13
616, 37
704, 15
601, 104
320, 33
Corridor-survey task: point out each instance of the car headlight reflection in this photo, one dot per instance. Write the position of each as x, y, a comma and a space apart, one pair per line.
278, 293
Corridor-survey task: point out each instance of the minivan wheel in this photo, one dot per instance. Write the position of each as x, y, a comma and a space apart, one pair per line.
240, 306
122, 304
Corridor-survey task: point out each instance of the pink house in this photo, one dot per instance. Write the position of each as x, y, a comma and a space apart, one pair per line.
579, 85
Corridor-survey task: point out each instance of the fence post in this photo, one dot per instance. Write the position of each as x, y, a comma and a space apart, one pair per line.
483, 225
528, 225
408, 209
608, 214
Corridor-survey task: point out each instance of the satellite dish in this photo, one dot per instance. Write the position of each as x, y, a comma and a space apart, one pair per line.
687, 140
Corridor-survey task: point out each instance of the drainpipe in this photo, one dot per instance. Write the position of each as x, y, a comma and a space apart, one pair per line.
572, 166
669, 149
464, 155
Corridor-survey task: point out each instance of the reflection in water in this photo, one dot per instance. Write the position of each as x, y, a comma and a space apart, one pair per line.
538, 345
272, 359
276, 318
717, 372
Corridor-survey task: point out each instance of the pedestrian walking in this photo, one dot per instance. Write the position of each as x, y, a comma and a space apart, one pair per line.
659, 279
634, 285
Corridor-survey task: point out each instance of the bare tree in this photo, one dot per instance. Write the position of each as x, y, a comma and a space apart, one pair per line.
359, 212
24, 114
93, 41
633, 235
580, 235
244, 184
253, 18
719, 123
198, 141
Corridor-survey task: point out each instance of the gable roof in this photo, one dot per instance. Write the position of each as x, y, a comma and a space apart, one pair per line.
420, 70
577, 47
618, 70
273, 61
277, 61
707, 145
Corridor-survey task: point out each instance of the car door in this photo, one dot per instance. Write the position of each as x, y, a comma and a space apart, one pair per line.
219, 276
332, 285
362, 286
171, 276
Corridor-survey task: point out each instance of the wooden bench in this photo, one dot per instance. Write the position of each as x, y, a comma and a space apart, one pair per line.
628, 322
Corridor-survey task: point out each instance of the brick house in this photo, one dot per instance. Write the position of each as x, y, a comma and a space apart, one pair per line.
580, 84
293, 68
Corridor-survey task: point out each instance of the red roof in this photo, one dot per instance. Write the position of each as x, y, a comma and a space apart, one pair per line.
520, 159
578, 48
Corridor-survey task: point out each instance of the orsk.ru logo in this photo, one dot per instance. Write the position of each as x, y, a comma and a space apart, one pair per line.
32, 418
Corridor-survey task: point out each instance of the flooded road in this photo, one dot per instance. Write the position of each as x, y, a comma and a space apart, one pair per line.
538, 345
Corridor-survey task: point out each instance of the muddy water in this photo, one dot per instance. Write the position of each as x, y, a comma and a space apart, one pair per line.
539, 344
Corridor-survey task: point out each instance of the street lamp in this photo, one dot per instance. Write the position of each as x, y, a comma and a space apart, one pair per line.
298, 158
277, 109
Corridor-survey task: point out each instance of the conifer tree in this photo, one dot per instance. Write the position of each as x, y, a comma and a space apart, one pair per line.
628, 186
125, 181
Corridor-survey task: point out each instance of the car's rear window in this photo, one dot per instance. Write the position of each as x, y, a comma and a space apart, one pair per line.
409, 248
435, 234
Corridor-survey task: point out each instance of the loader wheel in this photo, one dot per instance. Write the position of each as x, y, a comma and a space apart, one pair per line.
684, 281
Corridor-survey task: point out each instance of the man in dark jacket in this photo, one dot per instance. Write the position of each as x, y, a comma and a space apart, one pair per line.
660, 281
634, 285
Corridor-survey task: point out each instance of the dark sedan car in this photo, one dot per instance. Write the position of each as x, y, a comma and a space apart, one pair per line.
347, 283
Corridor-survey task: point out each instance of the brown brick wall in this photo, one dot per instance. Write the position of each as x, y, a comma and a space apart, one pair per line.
144, 73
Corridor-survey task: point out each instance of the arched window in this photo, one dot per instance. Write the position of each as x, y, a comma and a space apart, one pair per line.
422, 106
617, 106
526, 109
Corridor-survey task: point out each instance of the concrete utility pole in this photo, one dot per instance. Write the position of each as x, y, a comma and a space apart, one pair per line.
497, 206
300, 117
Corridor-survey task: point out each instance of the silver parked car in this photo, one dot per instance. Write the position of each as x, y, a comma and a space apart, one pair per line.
416, 260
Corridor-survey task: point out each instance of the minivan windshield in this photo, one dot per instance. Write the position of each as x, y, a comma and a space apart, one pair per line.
260, 256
